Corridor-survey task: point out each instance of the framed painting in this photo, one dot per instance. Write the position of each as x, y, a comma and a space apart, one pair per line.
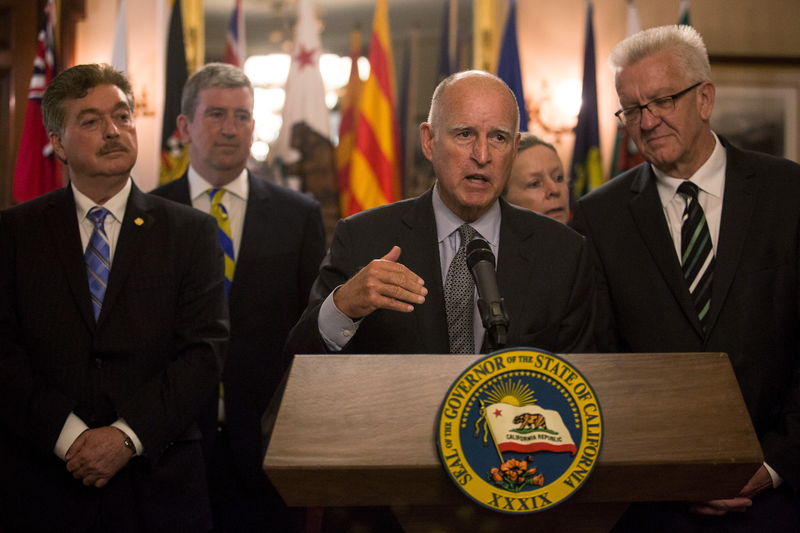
758, 104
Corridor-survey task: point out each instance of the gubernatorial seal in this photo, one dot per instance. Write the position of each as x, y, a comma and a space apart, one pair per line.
520, 430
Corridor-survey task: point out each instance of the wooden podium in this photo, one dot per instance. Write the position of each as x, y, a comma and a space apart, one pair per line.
356, 430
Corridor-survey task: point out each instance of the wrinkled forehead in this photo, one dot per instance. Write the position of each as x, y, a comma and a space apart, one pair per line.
479, 99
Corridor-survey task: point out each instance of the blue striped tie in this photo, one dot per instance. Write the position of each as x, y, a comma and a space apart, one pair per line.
697, 255
220, 213
98, 258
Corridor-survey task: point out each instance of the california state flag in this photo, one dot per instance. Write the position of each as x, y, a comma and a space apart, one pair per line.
528, 429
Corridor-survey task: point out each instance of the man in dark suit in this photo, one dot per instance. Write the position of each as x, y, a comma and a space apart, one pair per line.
109, 332
397, 304
277, 243
697, 250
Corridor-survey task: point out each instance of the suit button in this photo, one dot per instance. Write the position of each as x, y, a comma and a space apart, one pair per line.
98, 363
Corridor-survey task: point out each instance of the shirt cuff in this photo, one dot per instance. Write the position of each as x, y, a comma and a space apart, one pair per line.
336, 328
125, 428
72, 429
777, 480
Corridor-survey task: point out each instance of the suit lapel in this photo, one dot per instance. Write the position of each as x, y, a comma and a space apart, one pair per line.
645, 206
258, 219
62, 219
737, 211
138, 223
420, 253
513, 264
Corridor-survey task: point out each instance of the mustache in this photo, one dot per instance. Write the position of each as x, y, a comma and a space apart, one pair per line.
112, 147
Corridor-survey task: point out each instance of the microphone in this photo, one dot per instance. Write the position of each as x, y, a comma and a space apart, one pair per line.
481, 263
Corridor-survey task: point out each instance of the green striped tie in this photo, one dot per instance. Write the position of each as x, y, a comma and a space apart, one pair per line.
697, 254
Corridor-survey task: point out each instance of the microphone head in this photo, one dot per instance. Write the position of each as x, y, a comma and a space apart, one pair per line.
479, 250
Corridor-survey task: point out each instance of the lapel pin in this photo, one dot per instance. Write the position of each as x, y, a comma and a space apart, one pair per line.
138, 221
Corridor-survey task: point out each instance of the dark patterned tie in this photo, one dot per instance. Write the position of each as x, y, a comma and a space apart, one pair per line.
697, 255
459, 290
98, 258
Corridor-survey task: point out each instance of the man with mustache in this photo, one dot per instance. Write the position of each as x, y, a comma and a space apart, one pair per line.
697, 251
277, 243
383, 286
111, 319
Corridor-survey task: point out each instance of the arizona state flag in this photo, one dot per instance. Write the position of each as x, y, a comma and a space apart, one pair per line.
37, 171
375, 163
586, 169
174, 155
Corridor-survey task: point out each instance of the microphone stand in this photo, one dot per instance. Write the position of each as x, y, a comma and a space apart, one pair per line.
495, 320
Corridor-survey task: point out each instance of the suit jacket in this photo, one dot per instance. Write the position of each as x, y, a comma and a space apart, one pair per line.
147, 358
281, 249
542, 273
644, 303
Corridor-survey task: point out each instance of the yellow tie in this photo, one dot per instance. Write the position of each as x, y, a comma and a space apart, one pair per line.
220, 213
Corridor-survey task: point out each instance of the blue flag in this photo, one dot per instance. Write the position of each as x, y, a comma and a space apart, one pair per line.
586, 171
508, 68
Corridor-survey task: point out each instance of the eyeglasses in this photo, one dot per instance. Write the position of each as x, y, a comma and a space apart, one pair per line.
658, 107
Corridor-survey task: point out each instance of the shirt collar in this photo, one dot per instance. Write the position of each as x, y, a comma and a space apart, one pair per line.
115, 205
488, 225
199, 186
709, 178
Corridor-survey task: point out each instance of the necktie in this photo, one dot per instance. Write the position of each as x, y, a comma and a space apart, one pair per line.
459, 289
697, 255
220, 213
98, 258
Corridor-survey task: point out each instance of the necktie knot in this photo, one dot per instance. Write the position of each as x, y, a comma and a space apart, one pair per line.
688, 189
98, 217
467, 233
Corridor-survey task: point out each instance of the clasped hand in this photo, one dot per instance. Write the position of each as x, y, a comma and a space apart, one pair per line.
97, 455
760, 481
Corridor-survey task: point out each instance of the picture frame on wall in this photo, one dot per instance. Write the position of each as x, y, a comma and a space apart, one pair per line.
757, 105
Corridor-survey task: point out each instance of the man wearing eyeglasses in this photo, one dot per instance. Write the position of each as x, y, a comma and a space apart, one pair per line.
696, 250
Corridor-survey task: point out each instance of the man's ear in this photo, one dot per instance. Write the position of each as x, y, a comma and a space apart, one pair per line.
58, 148
183, 128
706, 101
426, 139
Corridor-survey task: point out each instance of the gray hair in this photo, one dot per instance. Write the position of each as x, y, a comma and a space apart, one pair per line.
529, 140
438, 94
211, 75
683, 41
75, 83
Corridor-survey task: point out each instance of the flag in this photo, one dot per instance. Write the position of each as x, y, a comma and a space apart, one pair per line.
528, 429
305, 92
119, 54
626, 154
683, 13
348, 110
174, 155
375, 163
449, 57
37, 171
508, 68
235, 44
586, 170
